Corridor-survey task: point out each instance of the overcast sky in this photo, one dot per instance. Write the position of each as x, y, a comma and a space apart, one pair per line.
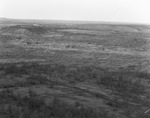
135, 11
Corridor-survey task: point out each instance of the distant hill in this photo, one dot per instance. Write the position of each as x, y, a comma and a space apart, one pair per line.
4, 20
119, 26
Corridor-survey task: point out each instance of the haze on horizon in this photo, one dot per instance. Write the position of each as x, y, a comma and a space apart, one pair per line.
130, 11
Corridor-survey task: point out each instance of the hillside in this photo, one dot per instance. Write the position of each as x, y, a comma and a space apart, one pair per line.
70, 69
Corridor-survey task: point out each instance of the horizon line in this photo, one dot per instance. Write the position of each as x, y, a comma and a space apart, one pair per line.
71, 20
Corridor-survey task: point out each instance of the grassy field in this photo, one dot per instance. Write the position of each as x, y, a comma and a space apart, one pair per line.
70, 69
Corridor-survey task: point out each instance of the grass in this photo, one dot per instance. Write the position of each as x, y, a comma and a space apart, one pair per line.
72, 84
128, 82
33, 107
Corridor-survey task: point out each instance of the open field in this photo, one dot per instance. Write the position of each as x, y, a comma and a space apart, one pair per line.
58, 69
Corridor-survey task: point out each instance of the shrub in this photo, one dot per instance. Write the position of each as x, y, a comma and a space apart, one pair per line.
36, 79
33, 107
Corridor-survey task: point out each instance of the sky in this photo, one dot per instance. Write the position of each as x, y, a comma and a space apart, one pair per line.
132, 11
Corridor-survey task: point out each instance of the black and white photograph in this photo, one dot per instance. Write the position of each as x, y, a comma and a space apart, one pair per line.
74, 58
